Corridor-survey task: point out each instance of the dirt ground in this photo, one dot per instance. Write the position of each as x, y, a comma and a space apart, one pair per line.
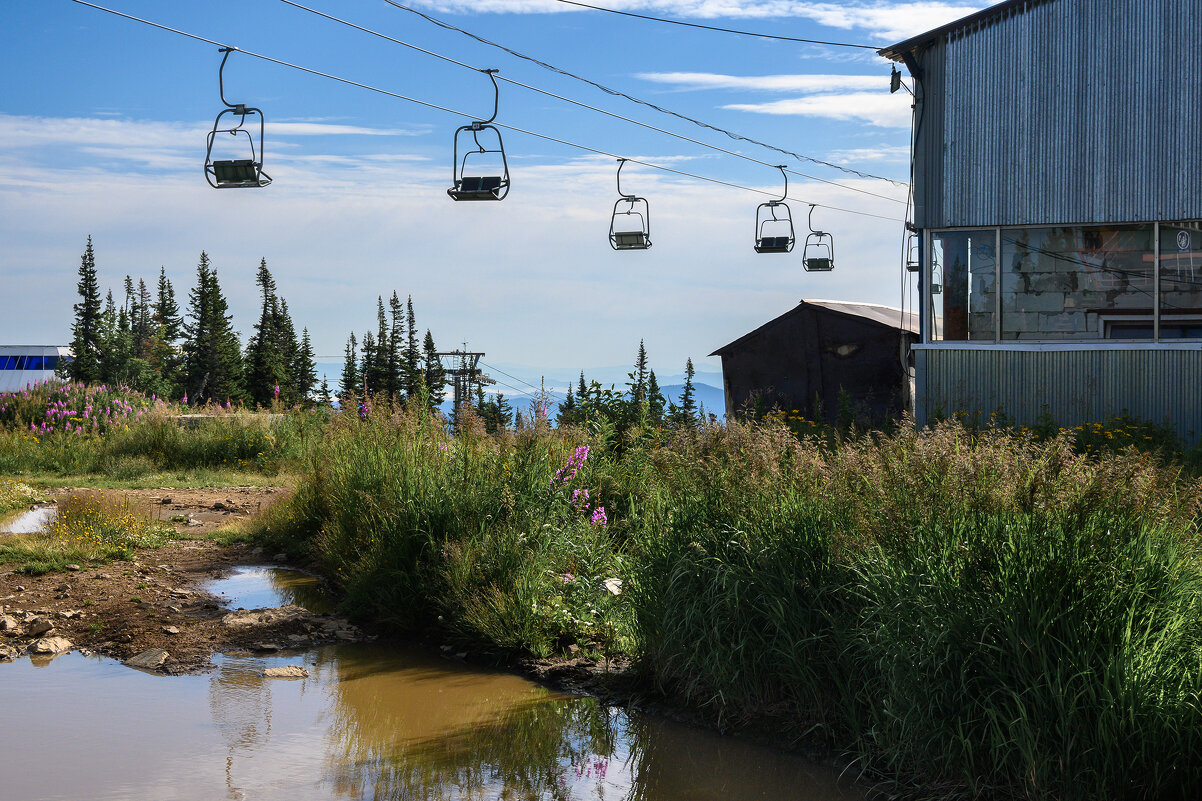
124, 609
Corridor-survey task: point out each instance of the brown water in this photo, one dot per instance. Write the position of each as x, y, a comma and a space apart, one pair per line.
371, 722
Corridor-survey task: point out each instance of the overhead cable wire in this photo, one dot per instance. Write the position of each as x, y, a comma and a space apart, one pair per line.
456, 112
719, 30
522, 381
617, 93
500, 77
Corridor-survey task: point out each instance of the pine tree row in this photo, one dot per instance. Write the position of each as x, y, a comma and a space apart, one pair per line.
146, 344
389, 363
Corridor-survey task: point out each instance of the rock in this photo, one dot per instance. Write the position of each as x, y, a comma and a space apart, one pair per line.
70, 613
286, 672
8, 623
51, 645
266, 646
105, 576
181, 593
192, 522
573, 649
64, 587
266, 617
150, 659
171, 629
165, 501
174, 608
40, 626
72, 567
219, 506
8, 653
280, 557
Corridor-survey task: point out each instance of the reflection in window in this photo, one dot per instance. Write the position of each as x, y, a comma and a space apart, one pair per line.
1057, 282
963, 285
1180, 281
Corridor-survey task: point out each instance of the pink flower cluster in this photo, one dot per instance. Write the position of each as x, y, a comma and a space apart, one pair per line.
592, 767
78, 409
569, 470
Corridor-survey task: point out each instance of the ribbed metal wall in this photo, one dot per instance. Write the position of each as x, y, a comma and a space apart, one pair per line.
1077, 386
1064, 112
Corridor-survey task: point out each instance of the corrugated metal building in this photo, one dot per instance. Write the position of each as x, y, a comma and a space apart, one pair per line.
1059, 207
812, 354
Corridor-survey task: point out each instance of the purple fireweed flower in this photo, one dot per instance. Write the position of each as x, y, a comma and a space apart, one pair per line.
568, 578
599, 518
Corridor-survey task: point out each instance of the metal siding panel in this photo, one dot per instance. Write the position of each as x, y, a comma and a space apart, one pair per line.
1077, 386
1063, 112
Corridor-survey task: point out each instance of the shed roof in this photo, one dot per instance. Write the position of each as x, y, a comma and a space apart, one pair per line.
897, 51
889, 316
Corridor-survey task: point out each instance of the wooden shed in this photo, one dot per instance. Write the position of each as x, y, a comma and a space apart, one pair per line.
810, 355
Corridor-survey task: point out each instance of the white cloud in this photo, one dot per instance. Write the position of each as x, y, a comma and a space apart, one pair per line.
884, 21
768, 83
880, 109
862, 154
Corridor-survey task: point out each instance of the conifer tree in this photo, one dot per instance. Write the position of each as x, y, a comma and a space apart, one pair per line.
375, 369
411, 364
655, 400
266, 367
367, 374
434, 376
85, 330
142, 319
396, 341
688, 402
166, 357
213, 357
348, 384
566, 415
304, 370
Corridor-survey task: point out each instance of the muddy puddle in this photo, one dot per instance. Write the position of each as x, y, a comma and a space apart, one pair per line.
30, 522
369, 721
255, 587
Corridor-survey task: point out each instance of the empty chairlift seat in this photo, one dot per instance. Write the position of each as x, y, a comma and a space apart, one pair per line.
478, 188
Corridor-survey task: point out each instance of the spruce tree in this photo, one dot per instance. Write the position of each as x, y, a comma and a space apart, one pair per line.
396, 341
566, 415
367, 363
348, 384
304, 370
213, 357
264, 363
166, 357
288, 348
688, 401
655, 400
434, 376
85, 330
411, 363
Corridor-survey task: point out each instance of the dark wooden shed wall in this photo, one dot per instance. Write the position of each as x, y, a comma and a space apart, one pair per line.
795, 362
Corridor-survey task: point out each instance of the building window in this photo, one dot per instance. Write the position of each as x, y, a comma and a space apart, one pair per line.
1180, 280
1063, 283
963, 285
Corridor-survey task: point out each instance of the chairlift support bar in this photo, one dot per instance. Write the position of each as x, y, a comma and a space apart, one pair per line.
774, 243
475, 187
636, 209
235, 173
819, 255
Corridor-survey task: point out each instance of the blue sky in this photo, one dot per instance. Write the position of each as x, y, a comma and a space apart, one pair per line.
103, 123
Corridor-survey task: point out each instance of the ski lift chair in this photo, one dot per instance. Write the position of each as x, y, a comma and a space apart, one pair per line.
630, 226
480, 187
245, 173
774, 223
819, 254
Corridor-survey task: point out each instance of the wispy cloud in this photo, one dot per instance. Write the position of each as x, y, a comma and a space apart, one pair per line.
879, 109
767, 83
863, 154
885, 21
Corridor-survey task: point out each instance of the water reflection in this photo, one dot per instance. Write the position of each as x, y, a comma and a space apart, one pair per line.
481, 737
263, 587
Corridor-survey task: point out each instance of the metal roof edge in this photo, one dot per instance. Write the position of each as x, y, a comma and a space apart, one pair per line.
820, 304
895, 52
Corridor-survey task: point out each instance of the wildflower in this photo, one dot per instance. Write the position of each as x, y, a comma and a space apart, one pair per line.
599, 518
568, 578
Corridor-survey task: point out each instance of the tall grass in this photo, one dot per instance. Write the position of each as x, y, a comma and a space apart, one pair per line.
971, 614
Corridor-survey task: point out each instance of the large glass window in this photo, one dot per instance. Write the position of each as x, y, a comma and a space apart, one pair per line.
963, 285
1181, 281
1077, 283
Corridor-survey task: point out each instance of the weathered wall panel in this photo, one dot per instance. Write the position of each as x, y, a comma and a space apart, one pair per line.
1075, 385
1063, 112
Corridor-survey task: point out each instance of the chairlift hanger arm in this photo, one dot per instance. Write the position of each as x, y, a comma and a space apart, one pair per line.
496, 102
